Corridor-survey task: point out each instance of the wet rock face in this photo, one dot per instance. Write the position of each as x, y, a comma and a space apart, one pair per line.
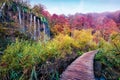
1, 53
97, 69
103, 72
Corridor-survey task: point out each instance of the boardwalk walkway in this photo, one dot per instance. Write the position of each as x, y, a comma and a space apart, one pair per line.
81, 68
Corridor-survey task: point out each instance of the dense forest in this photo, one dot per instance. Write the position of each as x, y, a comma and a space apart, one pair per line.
36, 45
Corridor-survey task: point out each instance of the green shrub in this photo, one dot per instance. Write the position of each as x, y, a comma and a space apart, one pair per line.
24, 59
109, 56
20, 57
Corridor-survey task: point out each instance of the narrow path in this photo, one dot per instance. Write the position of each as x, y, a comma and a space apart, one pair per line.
81, 68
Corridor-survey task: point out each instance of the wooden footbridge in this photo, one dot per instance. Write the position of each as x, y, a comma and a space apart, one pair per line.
81, 68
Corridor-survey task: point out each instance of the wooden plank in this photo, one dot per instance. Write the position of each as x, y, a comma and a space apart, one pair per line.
81, 68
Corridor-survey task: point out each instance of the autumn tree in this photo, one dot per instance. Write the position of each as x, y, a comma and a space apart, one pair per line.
38, 9
60, 24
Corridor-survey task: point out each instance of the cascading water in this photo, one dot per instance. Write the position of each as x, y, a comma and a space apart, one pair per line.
35, 28
47, 31
2, 8
3, 5
35, 25
30, 20
38, 29
44, 31
20, 18
31, 24
0, 13
45, 28
23, 22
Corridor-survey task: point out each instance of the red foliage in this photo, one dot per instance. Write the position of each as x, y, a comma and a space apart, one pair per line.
105, 22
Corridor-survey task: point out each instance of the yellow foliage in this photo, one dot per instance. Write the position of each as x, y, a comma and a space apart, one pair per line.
115, 38
82, 37
61, 45
104, 44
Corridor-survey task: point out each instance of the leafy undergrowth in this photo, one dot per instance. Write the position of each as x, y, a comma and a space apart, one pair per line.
25, 59
107, 61
8, 35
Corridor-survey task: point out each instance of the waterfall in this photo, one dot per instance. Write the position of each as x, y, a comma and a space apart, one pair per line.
3, 5
44, 31
31, 20
20, 19
38, 29
0, 13
47, 31
23, 22
34, 27
31, 24
2, 8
